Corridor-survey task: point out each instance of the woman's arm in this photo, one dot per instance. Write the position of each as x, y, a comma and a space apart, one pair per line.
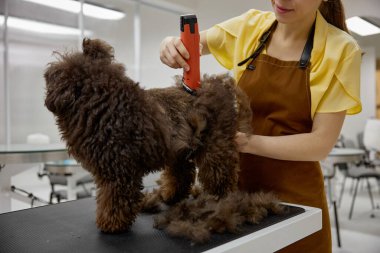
174, 54
314, 146
203, 40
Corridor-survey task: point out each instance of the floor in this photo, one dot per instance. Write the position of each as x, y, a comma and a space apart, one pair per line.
360, 234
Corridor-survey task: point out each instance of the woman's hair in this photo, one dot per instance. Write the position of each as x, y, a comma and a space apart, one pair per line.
333, 12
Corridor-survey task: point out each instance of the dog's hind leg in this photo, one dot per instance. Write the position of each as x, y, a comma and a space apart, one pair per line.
176, 181
218, 168
118, 203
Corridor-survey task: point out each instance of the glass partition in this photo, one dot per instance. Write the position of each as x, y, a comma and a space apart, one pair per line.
35, 31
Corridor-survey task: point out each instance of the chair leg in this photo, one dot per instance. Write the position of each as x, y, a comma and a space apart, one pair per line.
337, 224
353, 199
32, 202
371, 199
342, 191
88, 193
352, 186
370, 194
329, 190
52, 194
51, 198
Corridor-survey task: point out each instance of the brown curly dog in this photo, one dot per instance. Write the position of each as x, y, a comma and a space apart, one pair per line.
120, 132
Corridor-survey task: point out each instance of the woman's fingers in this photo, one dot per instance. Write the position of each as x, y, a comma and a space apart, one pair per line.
173, 53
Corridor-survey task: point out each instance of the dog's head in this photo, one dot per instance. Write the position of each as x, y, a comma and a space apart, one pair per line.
79, 74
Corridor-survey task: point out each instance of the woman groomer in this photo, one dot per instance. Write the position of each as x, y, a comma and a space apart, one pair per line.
301, 70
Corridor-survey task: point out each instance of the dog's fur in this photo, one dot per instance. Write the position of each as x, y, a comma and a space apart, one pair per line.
201, 215
120, 132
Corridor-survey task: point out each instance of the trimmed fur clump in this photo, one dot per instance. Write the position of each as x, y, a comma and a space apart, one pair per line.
200, 217
121, 132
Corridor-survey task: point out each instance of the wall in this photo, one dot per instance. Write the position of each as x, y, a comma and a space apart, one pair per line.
355, 124
155, 26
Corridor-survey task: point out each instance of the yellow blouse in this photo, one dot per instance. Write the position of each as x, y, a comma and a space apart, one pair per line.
335, 59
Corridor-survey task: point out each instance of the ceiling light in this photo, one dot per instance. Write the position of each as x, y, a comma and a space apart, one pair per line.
40, 27
88, 9
361, 26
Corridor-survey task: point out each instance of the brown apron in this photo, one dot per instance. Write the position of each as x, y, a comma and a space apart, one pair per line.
281, 103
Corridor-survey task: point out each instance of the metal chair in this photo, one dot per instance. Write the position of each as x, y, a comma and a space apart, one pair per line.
370, 140
60, 172
358, 174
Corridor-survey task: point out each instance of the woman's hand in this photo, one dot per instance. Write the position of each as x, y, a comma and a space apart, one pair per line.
173, 53
242, 141
313, 146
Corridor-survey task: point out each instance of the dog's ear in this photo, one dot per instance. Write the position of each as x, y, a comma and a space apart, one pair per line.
97, 49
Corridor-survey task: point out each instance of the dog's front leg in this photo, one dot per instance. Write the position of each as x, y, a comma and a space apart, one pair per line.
176, 181
218, 170
118, 204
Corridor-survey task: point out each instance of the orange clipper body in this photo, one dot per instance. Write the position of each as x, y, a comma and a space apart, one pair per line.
190, 39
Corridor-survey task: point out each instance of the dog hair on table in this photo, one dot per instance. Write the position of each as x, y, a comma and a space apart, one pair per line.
201, 215
120, 132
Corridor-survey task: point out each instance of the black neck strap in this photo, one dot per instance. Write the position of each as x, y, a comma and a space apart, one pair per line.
306, 53
264, 38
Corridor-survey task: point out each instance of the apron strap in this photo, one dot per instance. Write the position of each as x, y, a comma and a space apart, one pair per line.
306, 54
264, 38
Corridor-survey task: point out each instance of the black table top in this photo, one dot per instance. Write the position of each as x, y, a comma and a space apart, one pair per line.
70, 227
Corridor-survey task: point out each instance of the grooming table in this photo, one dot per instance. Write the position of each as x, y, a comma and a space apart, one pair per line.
70, 227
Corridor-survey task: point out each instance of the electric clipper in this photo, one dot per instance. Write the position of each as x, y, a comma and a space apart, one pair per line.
190, 39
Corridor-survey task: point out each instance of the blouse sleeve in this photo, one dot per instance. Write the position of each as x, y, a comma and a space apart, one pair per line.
232, 37
221, 45
222, 39
344, 90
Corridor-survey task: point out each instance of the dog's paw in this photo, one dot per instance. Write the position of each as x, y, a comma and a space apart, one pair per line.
168, 195
111, 225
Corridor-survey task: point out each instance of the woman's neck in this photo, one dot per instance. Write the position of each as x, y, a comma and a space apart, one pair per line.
288, 40
294, 31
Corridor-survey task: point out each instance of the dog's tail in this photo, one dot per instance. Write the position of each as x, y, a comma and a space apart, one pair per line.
97, 49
